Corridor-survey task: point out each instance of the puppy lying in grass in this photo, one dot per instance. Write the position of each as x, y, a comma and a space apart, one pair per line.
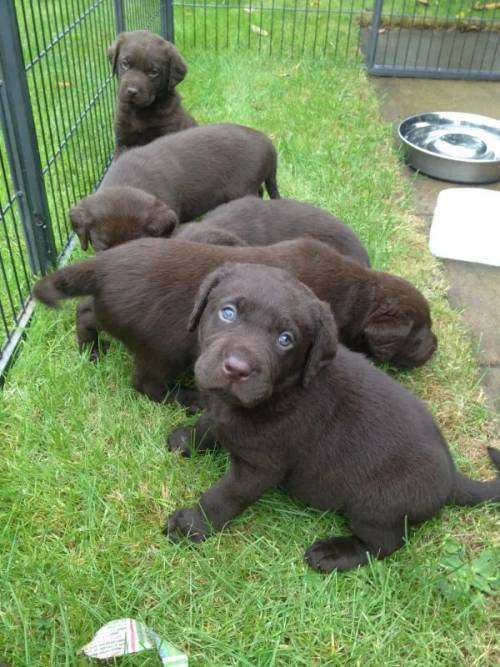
254, 221
148, 106
295, 410
143, 292
175, 178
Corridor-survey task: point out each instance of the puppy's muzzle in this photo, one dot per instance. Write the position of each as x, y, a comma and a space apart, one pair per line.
423, 352
235, 368
131, 92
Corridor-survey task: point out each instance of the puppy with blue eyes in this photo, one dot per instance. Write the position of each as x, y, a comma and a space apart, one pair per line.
264, 361
142, 292
148, 68
298, 411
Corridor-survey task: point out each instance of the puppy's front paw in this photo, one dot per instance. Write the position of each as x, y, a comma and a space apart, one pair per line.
187, 522
99, 350
337, 553
180, 441
190, 400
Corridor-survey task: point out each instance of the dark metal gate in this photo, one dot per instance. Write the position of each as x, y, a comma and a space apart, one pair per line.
435, 43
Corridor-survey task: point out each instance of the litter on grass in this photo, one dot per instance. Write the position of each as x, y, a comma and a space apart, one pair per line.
126, 635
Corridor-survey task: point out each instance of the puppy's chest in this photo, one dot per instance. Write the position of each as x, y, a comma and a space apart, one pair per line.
250, 438
307, 458
312, 483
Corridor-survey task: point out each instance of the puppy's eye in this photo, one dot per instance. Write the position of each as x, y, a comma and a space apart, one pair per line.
227, 313
153, 73
124, 64
285, 340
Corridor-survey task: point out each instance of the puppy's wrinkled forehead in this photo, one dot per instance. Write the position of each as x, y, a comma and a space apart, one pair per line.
142, 53
267, 293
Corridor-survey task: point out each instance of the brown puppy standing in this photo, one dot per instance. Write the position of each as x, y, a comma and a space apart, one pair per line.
143, 292
297, 411
148, 68
175, 178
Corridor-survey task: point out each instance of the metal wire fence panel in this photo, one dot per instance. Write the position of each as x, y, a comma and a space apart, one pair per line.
454, 39
56, 141
293, 28
142, 15
71, 90
15, 271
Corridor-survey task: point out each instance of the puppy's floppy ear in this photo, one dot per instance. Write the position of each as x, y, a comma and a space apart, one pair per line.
384, 335
81, 221
161, 221
211, 281
176, 67
114, 52
324, 345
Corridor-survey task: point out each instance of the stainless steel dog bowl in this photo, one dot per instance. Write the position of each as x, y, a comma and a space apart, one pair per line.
458, 147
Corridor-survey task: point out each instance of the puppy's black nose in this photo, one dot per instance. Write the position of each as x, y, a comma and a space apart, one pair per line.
131, 91
235, 369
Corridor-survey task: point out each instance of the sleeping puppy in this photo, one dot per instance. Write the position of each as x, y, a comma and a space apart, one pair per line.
257, 222
295, 410
148, 70
175, 179
143, 292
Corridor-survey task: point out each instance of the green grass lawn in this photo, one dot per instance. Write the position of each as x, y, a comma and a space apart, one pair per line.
86, 483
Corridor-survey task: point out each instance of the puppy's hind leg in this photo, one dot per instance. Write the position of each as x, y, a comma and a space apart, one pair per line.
189, 399
87, 329
198, 437
150, 380
344, 553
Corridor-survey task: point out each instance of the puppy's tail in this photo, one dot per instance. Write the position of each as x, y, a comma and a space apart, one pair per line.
471, 492
270, 181
77, 280
272, 187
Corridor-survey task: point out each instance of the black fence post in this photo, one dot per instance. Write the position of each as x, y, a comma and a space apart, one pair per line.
119, 16
21, 144
372, 44
167, 20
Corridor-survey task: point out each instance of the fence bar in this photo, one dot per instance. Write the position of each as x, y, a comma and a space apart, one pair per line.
8, 351
476, 75
119, 16
372, 44
21, 144
167, 20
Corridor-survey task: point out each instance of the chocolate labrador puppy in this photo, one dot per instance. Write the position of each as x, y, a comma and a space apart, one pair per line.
175, 178
143, 292
148, 70
296, 410
257, 222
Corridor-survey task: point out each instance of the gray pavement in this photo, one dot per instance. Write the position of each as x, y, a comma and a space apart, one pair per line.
475, 288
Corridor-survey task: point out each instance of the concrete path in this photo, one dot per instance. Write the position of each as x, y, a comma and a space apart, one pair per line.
473, 287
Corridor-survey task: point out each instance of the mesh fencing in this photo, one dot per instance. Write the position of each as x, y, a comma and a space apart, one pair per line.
57, 139
444, 39
453, 39
293, 28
